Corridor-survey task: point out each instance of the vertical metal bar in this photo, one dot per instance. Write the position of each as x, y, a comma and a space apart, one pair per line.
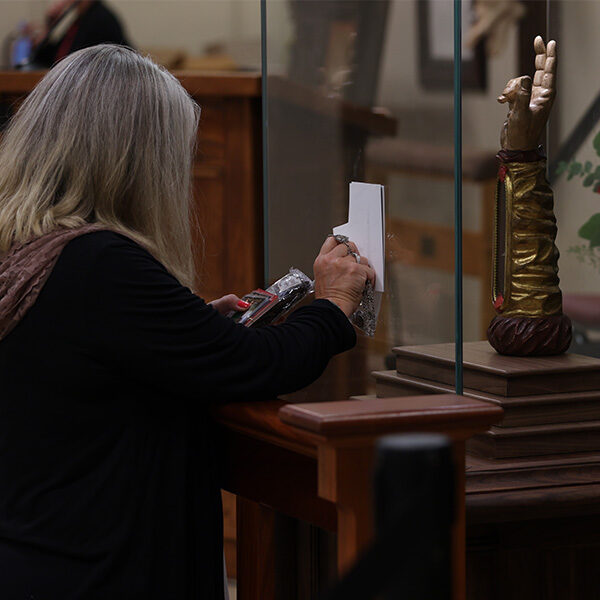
265, 136
458, 289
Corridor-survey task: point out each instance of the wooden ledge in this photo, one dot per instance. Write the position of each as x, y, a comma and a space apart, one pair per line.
197, 83
302, 428
447, 412
487, 371
260, 421
480, 356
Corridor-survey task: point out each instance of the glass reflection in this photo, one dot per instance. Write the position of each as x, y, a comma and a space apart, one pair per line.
331, 67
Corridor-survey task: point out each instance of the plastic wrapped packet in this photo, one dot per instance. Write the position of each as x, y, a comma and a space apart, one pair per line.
290, 289
270, 305
365, 316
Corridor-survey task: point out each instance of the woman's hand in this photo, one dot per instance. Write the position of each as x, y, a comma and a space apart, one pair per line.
228, 303
339, 277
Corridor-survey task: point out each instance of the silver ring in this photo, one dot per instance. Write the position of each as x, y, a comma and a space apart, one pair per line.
356, 256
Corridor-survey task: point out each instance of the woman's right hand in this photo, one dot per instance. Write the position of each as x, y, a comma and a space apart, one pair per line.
339, 278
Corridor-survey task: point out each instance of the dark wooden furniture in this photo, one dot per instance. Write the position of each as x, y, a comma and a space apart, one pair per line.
533, 480
227, 175
313, 462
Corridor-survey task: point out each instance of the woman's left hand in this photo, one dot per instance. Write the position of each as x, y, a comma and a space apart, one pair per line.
228, 303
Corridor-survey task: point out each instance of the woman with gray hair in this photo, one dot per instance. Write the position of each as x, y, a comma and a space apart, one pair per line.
108, 361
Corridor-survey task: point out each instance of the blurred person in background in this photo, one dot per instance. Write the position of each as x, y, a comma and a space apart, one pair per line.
72, 25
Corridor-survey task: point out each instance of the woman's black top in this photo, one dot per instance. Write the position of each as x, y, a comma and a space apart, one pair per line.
108, 456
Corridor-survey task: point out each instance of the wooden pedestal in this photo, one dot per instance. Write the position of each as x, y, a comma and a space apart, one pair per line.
532, 481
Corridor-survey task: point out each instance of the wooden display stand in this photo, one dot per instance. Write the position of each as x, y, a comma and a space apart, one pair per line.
532, 481
313, 462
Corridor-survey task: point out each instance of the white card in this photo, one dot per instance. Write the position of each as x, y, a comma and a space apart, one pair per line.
366, 226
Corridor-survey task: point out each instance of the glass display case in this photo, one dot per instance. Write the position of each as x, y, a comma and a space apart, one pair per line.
364, 91
342, 105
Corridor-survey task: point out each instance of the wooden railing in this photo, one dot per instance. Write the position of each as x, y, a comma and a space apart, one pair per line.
313, 462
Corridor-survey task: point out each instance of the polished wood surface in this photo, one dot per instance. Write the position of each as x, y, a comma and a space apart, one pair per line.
382, 414
313, 462
197, 83
488, 371
480, 356
518, 410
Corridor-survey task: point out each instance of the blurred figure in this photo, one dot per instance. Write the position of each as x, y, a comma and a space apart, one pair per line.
75, 24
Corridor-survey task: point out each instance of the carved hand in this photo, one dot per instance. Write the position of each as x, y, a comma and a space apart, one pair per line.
529, 106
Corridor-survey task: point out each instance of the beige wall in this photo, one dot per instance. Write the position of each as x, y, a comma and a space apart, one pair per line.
188, 23
13, 11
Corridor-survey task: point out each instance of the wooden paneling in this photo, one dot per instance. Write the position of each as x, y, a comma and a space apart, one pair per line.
227, 192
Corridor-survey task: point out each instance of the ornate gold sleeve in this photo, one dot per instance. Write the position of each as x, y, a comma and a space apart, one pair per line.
525, 263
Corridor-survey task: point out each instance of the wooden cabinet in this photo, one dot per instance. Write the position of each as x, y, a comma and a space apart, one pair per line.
227, 175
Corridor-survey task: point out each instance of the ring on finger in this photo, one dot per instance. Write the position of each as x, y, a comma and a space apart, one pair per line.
356, 255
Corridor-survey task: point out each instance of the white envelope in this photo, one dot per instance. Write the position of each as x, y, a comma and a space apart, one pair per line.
366, 226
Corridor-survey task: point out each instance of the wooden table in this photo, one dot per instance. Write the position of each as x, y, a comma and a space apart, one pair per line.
313, 462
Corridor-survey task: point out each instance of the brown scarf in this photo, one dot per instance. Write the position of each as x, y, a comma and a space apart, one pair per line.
25, 270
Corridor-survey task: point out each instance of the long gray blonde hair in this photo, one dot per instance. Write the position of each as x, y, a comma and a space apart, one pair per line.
106, 137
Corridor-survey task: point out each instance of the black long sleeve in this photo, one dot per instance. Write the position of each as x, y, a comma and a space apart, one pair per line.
163, 334
108, 454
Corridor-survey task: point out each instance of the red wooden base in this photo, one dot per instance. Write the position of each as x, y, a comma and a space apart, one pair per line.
528, 336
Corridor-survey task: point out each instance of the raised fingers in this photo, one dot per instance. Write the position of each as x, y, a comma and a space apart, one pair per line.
550, 66
538, 45
540, 60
